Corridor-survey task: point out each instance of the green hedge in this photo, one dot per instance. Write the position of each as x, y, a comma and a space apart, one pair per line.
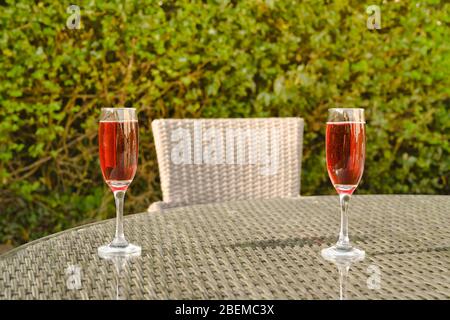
250, 58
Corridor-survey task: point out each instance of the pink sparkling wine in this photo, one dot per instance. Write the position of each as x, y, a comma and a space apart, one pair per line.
345, 149
118, 146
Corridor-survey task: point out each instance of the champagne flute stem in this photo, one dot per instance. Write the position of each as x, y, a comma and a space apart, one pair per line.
344, 242
119, 239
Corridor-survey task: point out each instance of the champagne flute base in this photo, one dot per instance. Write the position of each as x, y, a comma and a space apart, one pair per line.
108, 251
340, 255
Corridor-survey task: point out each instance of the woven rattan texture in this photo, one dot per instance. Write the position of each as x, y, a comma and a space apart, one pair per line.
264, 249
252, 158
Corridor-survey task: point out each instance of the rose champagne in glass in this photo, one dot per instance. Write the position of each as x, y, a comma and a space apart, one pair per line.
118, 147
345, 152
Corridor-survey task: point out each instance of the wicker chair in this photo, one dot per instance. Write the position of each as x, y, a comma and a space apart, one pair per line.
212, 160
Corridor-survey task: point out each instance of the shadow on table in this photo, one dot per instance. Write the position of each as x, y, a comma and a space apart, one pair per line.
343, 267
291, 242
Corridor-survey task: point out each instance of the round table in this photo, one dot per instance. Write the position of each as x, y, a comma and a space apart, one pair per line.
259, 249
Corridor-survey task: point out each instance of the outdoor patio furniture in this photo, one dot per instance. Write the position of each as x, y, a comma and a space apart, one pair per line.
213, 160
250, 249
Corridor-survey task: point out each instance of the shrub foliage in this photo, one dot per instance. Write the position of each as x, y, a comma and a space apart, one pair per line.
250, 58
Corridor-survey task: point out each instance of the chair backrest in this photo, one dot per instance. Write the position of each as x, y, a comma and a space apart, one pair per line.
212, 160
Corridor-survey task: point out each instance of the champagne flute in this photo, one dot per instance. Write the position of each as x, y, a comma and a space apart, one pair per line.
118, 148
345, 151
